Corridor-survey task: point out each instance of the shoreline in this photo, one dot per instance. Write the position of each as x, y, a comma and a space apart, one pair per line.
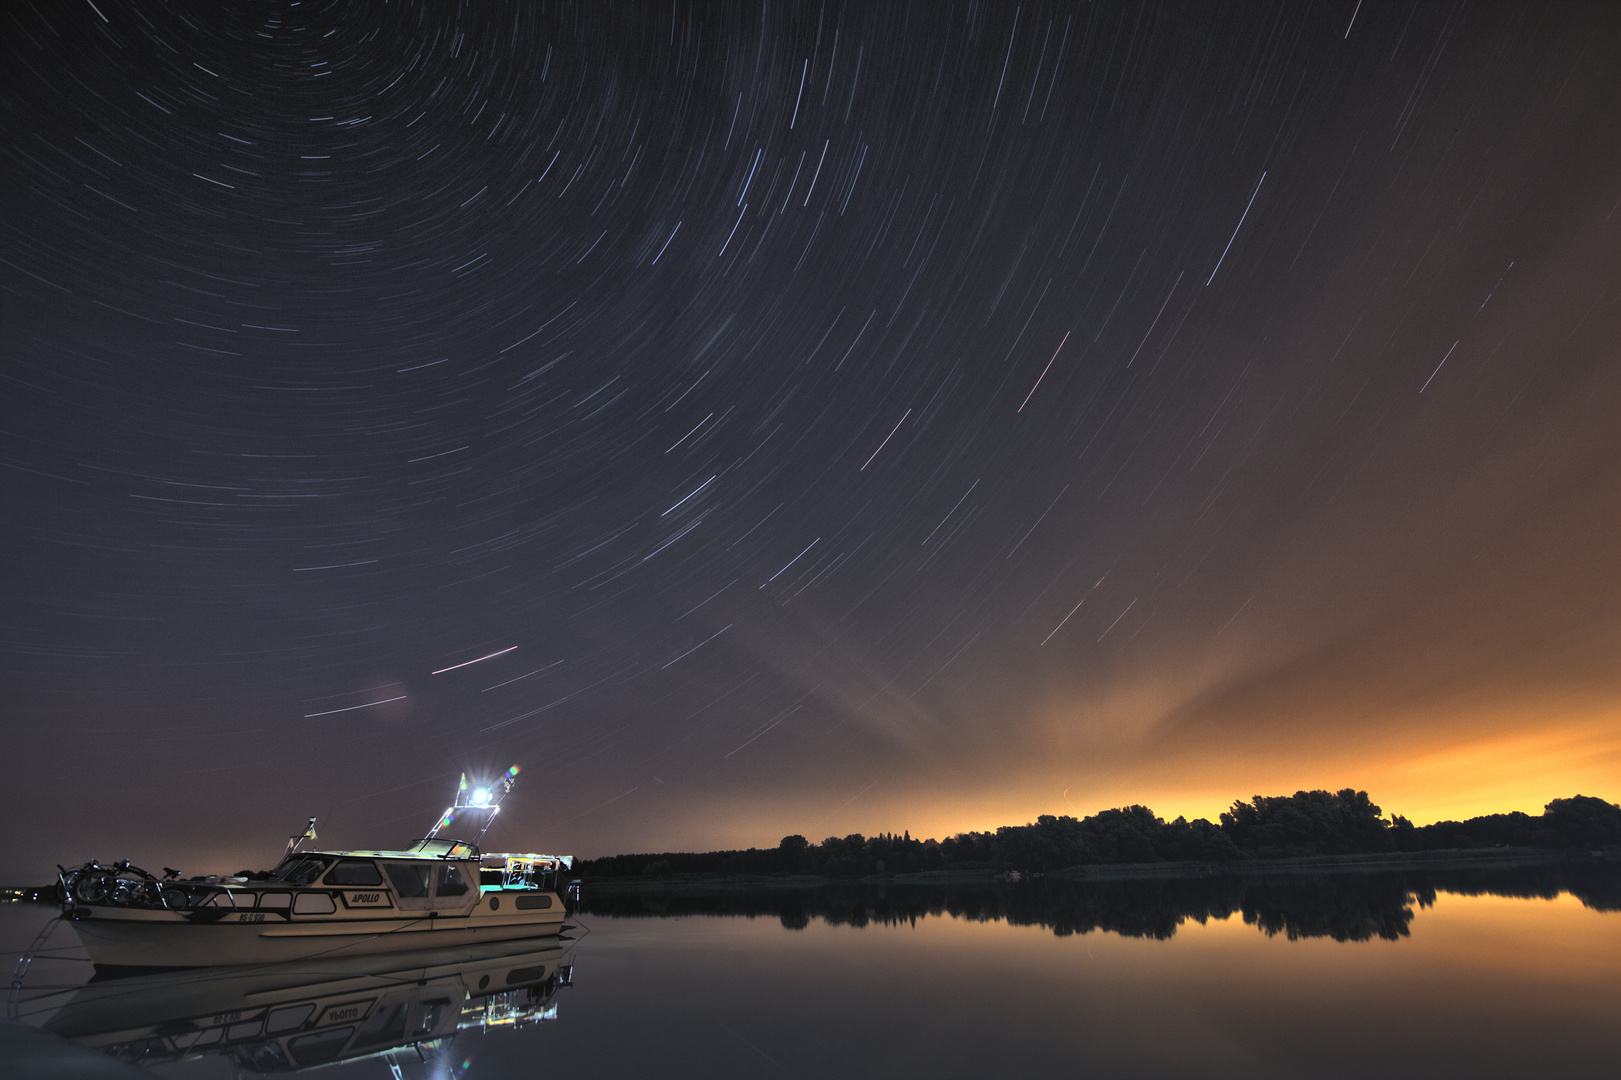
1446, 859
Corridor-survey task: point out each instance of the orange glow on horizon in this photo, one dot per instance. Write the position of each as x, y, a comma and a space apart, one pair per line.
1445, 777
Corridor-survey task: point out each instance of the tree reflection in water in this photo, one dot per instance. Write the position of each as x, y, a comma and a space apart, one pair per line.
1345, 906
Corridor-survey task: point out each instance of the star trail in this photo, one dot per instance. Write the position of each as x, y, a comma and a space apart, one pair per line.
763, 418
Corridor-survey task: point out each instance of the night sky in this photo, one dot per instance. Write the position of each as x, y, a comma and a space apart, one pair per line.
800, 418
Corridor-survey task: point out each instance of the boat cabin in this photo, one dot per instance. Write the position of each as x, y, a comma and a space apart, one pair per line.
427, 875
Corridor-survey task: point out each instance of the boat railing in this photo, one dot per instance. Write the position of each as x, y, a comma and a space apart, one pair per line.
522, 870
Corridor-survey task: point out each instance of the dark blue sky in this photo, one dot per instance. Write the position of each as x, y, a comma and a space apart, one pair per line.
799, 418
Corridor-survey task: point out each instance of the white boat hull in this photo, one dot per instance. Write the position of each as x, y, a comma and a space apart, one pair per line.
146, 938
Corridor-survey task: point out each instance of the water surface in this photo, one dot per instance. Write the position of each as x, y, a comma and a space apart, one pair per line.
1274, 978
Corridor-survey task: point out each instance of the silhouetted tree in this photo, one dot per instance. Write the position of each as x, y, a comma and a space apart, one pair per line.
792, 849
1308, 823
1583, 821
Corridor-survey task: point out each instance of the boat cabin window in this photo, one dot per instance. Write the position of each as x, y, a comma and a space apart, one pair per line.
300, 870
410, 879
450, 881
313, 904
354, 872
275, 899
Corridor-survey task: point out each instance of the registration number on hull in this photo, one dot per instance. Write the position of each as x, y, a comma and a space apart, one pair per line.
251, 916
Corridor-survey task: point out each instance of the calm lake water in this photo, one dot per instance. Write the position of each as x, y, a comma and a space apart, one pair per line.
1154, 979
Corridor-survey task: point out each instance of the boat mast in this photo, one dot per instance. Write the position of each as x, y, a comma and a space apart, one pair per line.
478, 799
294, 841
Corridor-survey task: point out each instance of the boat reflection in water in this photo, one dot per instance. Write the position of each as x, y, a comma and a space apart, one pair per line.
281, 1018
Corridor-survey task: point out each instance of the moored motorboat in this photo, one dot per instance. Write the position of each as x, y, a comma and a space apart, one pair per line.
434, 893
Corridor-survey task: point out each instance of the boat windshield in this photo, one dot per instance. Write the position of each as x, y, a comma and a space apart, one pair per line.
445, 849
300, 870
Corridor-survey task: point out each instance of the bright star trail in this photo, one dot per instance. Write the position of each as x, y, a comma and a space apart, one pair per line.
861, 417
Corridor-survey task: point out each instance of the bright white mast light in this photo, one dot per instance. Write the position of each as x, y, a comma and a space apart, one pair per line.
486, 799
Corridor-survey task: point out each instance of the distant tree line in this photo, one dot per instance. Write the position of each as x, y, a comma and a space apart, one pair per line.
1307, 823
